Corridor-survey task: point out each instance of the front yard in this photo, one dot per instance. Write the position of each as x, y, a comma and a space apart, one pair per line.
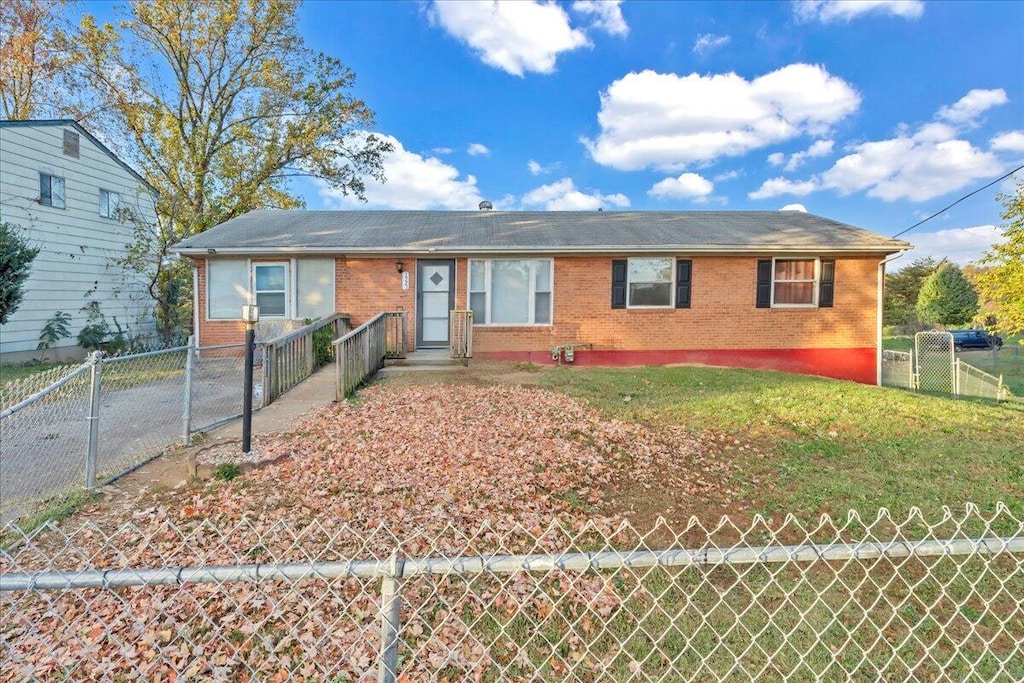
809, 445
468, 463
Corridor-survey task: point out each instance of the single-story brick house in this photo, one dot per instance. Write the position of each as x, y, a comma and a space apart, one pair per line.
781, 290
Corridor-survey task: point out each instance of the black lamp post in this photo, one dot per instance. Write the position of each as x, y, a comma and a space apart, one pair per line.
250, 316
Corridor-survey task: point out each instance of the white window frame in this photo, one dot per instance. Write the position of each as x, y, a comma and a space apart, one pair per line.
289, 287
248, 297
117, 204
64, 194
817, 281
672, 286
533, 292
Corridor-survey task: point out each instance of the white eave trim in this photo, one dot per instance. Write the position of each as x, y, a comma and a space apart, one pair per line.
568, 251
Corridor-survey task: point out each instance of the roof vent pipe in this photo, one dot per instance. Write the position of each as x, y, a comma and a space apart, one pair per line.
486, 205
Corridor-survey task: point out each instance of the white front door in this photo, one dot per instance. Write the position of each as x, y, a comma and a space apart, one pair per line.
435, 296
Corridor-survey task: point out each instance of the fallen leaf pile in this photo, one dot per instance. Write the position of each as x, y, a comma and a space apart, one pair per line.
423, 471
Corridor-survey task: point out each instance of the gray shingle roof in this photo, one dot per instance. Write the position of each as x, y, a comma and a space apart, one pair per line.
526, 231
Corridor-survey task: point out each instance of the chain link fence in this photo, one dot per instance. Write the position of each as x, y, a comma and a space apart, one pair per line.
107, 416
939, 370
884, 598
898, 369
935, 357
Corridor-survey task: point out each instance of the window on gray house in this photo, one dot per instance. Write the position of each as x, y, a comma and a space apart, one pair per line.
109, 201
51, 190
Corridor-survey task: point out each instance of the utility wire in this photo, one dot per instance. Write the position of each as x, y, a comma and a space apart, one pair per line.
966, 196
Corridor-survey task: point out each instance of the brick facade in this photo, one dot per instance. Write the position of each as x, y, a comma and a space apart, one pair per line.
722, 326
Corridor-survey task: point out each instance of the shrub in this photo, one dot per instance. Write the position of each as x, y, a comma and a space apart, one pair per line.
55, 329
16, 258
227, 471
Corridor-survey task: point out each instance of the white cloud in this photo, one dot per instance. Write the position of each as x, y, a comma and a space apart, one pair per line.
972, 105
794, 207
706, 42
1012, 141
516, 37
959, 245
686, 186
916, 167
728, 175
827, 11
413, 182
562, 195
776, 187
537, 168
666, 121
442, 150
607, 15
476, 149
819, 148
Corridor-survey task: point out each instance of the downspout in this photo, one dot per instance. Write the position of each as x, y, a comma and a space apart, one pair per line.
879, 306
195, 301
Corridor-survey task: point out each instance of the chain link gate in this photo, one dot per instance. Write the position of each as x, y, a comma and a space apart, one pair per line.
936, 358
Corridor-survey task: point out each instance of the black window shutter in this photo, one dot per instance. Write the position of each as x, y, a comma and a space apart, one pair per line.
684, 277
828, 283
619, 283
764, 283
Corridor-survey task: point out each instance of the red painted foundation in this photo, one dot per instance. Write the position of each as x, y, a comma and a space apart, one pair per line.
857, 365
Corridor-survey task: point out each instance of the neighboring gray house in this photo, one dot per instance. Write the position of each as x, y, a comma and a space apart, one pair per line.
69, 194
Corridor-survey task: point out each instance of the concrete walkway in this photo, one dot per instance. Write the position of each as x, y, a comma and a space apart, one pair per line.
175, 467
318, 390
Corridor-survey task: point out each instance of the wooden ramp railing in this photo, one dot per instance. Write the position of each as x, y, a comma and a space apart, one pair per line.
460, 333
361, 353
292, 357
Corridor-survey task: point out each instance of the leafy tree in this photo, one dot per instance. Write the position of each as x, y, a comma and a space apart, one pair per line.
16, 256
947, 298
34, 60
902, 289
1002, 282
243, 106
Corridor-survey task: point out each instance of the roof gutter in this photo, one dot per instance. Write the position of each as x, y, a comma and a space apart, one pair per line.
593, 249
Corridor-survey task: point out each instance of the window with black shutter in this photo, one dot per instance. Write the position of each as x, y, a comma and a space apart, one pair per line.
800, 282
619, 283
764, 283
828, 283
684, 278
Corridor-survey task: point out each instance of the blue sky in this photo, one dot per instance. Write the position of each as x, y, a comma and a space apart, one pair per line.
873, 113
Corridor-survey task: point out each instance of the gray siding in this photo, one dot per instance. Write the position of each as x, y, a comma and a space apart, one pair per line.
78, 246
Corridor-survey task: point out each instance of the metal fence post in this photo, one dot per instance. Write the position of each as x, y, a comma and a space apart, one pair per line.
390, 612
267, 372
94, 419
186, 418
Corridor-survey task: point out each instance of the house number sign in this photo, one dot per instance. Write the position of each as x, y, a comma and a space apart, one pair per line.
405, 280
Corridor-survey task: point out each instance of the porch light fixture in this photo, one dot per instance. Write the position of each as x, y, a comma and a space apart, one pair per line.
399, 266
250, 316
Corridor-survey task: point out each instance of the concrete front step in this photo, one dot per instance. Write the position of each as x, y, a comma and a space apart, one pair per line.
440, 358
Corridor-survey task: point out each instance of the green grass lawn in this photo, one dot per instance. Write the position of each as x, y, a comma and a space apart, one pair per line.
9, 372
829, 445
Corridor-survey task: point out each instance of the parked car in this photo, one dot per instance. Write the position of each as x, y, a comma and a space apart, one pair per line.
975, 339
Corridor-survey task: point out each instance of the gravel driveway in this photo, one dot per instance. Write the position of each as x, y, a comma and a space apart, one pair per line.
43, 447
